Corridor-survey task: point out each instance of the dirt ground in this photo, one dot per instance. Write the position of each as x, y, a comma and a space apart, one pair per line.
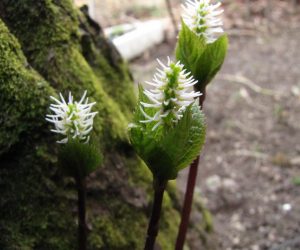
249, 175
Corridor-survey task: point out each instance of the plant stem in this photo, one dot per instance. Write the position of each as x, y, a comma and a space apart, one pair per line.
82, 227
159, 188
188, 198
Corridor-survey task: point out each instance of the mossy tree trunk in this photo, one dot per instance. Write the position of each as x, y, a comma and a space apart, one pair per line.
46, 47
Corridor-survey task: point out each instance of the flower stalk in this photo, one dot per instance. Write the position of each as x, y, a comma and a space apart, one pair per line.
189, 194
153, 227
200, 33
173, 92
77, 156
168, 131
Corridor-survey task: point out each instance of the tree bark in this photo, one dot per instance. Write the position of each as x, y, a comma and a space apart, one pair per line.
47, 47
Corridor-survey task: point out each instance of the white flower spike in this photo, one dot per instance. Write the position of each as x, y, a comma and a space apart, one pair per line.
73, 119
201, 17
172, 91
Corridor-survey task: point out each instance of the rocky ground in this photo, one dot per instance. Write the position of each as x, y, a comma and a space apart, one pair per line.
249, 174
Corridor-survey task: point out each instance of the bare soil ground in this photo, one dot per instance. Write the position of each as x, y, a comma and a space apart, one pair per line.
249, 174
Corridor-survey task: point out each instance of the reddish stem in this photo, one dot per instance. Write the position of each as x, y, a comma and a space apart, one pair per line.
188, 198
159, 188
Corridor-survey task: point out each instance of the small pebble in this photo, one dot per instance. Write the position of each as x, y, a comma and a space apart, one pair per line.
213, 183
286, 207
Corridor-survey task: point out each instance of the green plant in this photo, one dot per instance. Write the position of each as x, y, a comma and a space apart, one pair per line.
202, 51
168, 131
77, 157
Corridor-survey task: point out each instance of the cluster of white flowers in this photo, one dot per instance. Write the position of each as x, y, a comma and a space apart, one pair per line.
172, 91
202, 18
72, 119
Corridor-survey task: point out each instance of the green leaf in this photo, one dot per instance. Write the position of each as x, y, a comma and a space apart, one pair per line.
78, 160
167, 152
201, 59
189, 47
186, 139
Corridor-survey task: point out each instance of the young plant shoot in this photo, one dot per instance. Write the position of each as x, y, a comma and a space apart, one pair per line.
202, 18
77, 156
168, 131
202, 48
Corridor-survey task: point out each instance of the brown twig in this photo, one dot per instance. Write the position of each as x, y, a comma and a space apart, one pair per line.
188, 198
159, 188
170, 10
250, 84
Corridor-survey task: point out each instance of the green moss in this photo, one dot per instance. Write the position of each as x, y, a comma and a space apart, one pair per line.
41, 24
112, 235
121, 230
68, 70
53, 47
119, 235
139, 173
107, 63
37, 204
23, 101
